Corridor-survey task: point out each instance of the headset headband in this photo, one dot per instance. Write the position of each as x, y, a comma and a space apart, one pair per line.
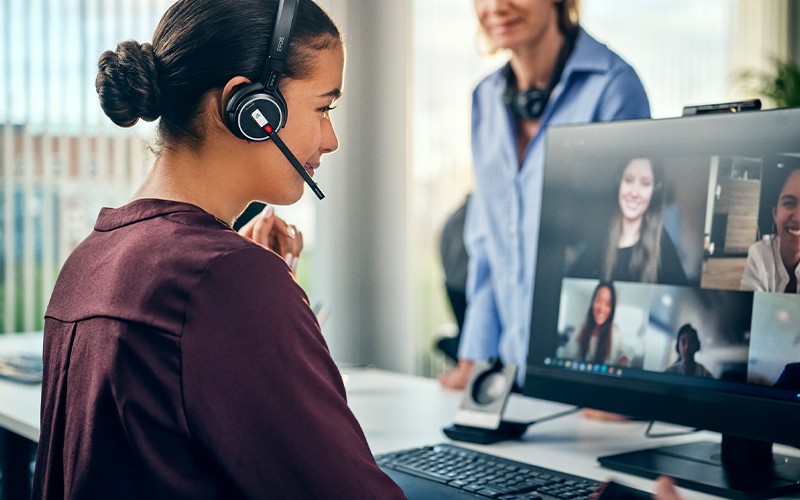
273, 68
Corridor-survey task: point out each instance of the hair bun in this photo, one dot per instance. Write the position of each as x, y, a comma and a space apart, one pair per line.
127, 83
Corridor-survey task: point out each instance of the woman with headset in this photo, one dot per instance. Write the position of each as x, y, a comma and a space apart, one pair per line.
637, 247
182, 359
556, 74
686, 345
773, 263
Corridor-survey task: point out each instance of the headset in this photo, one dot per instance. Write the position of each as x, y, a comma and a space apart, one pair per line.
257, 111
480, 417
529, 104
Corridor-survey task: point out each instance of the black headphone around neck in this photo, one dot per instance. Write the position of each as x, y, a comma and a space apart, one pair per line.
264, 97
529, 104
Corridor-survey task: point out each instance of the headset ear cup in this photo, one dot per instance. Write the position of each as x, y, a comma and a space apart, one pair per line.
528, 105
239, 110
234, 102
487, 386
531, 103
280, 103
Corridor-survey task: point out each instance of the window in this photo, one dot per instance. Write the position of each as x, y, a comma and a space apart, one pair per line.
61, 159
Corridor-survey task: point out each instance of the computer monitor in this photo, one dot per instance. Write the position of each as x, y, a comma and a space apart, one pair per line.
654, 236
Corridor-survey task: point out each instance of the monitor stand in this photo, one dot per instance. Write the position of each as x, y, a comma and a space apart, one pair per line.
737, 468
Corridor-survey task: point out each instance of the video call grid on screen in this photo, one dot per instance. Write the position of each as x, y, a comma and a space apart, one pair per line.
717, 195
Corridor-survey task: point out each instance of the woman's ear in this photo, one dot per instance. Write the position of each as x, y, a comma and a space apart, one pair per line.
232, 86
219, 100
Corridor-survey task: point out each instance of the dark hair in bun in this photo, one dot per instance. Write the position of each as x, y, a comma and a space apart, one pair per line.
198, 46
127, 83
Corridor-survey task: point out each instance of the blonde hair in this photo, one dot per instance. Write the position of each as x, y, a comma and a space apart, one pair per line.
568, 16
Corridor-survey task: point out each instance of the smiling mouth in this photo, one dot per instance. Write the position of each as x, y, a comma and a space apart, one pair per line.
503, 27
792, 231
633, 205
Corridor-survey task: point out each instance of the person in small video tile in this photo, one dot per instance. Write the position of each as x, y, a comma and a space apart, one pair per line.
687, 345
598, 341
637, 247
772, 263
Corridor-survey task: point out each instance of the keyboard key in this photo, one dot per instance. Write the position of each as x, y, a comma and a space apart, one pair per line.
489, 492
473, 487
414, 471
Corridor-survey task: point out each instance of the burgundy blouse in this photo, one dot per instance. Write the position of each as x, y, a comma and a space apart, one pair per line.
183, 361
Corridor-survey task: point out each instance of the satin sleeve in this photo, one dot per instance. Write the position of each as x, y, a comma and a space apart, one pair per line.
263, 398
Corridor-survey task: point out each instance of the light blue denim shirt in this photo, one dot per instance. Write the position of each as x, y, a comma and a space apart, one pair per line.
502, 226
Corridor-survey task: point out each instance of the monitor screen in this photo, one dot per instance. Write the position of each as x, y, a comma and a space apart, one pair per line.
666, 281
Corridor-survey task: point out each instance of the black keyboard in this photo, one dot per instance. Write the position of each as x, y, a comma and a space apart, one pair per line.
487, 475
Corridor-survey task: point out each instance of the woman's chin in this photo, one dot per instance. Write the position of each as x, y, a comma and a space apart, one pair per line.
789, 243
295, 195
289, 195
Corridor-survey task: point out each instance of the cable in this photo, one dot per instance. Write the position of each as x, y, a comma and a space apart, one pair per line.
649, 434
554, 416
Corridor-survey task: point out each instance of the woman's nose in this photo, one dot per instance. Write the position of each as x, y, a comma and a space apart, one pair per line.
330, 142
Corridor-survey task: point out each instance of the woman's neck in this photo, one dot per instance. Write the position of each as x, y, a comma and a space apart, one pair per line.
533, 64
193, 177
631, 231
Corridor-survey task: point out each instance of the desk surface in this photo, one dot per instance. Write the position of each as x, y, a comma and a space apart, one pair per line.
400, 411
20, 403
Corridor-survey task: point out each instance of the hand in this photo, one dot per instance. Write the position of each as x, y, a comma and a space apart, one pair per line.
665, 489
458, 377
270, 231
612, 490
592, 414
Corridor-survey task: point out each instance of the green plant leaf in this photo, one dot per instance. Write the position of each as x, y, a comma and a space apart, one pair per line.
782, 85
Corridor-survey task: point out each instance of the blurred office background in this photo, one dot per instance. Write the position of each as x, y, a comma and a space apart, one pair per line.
404, 122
